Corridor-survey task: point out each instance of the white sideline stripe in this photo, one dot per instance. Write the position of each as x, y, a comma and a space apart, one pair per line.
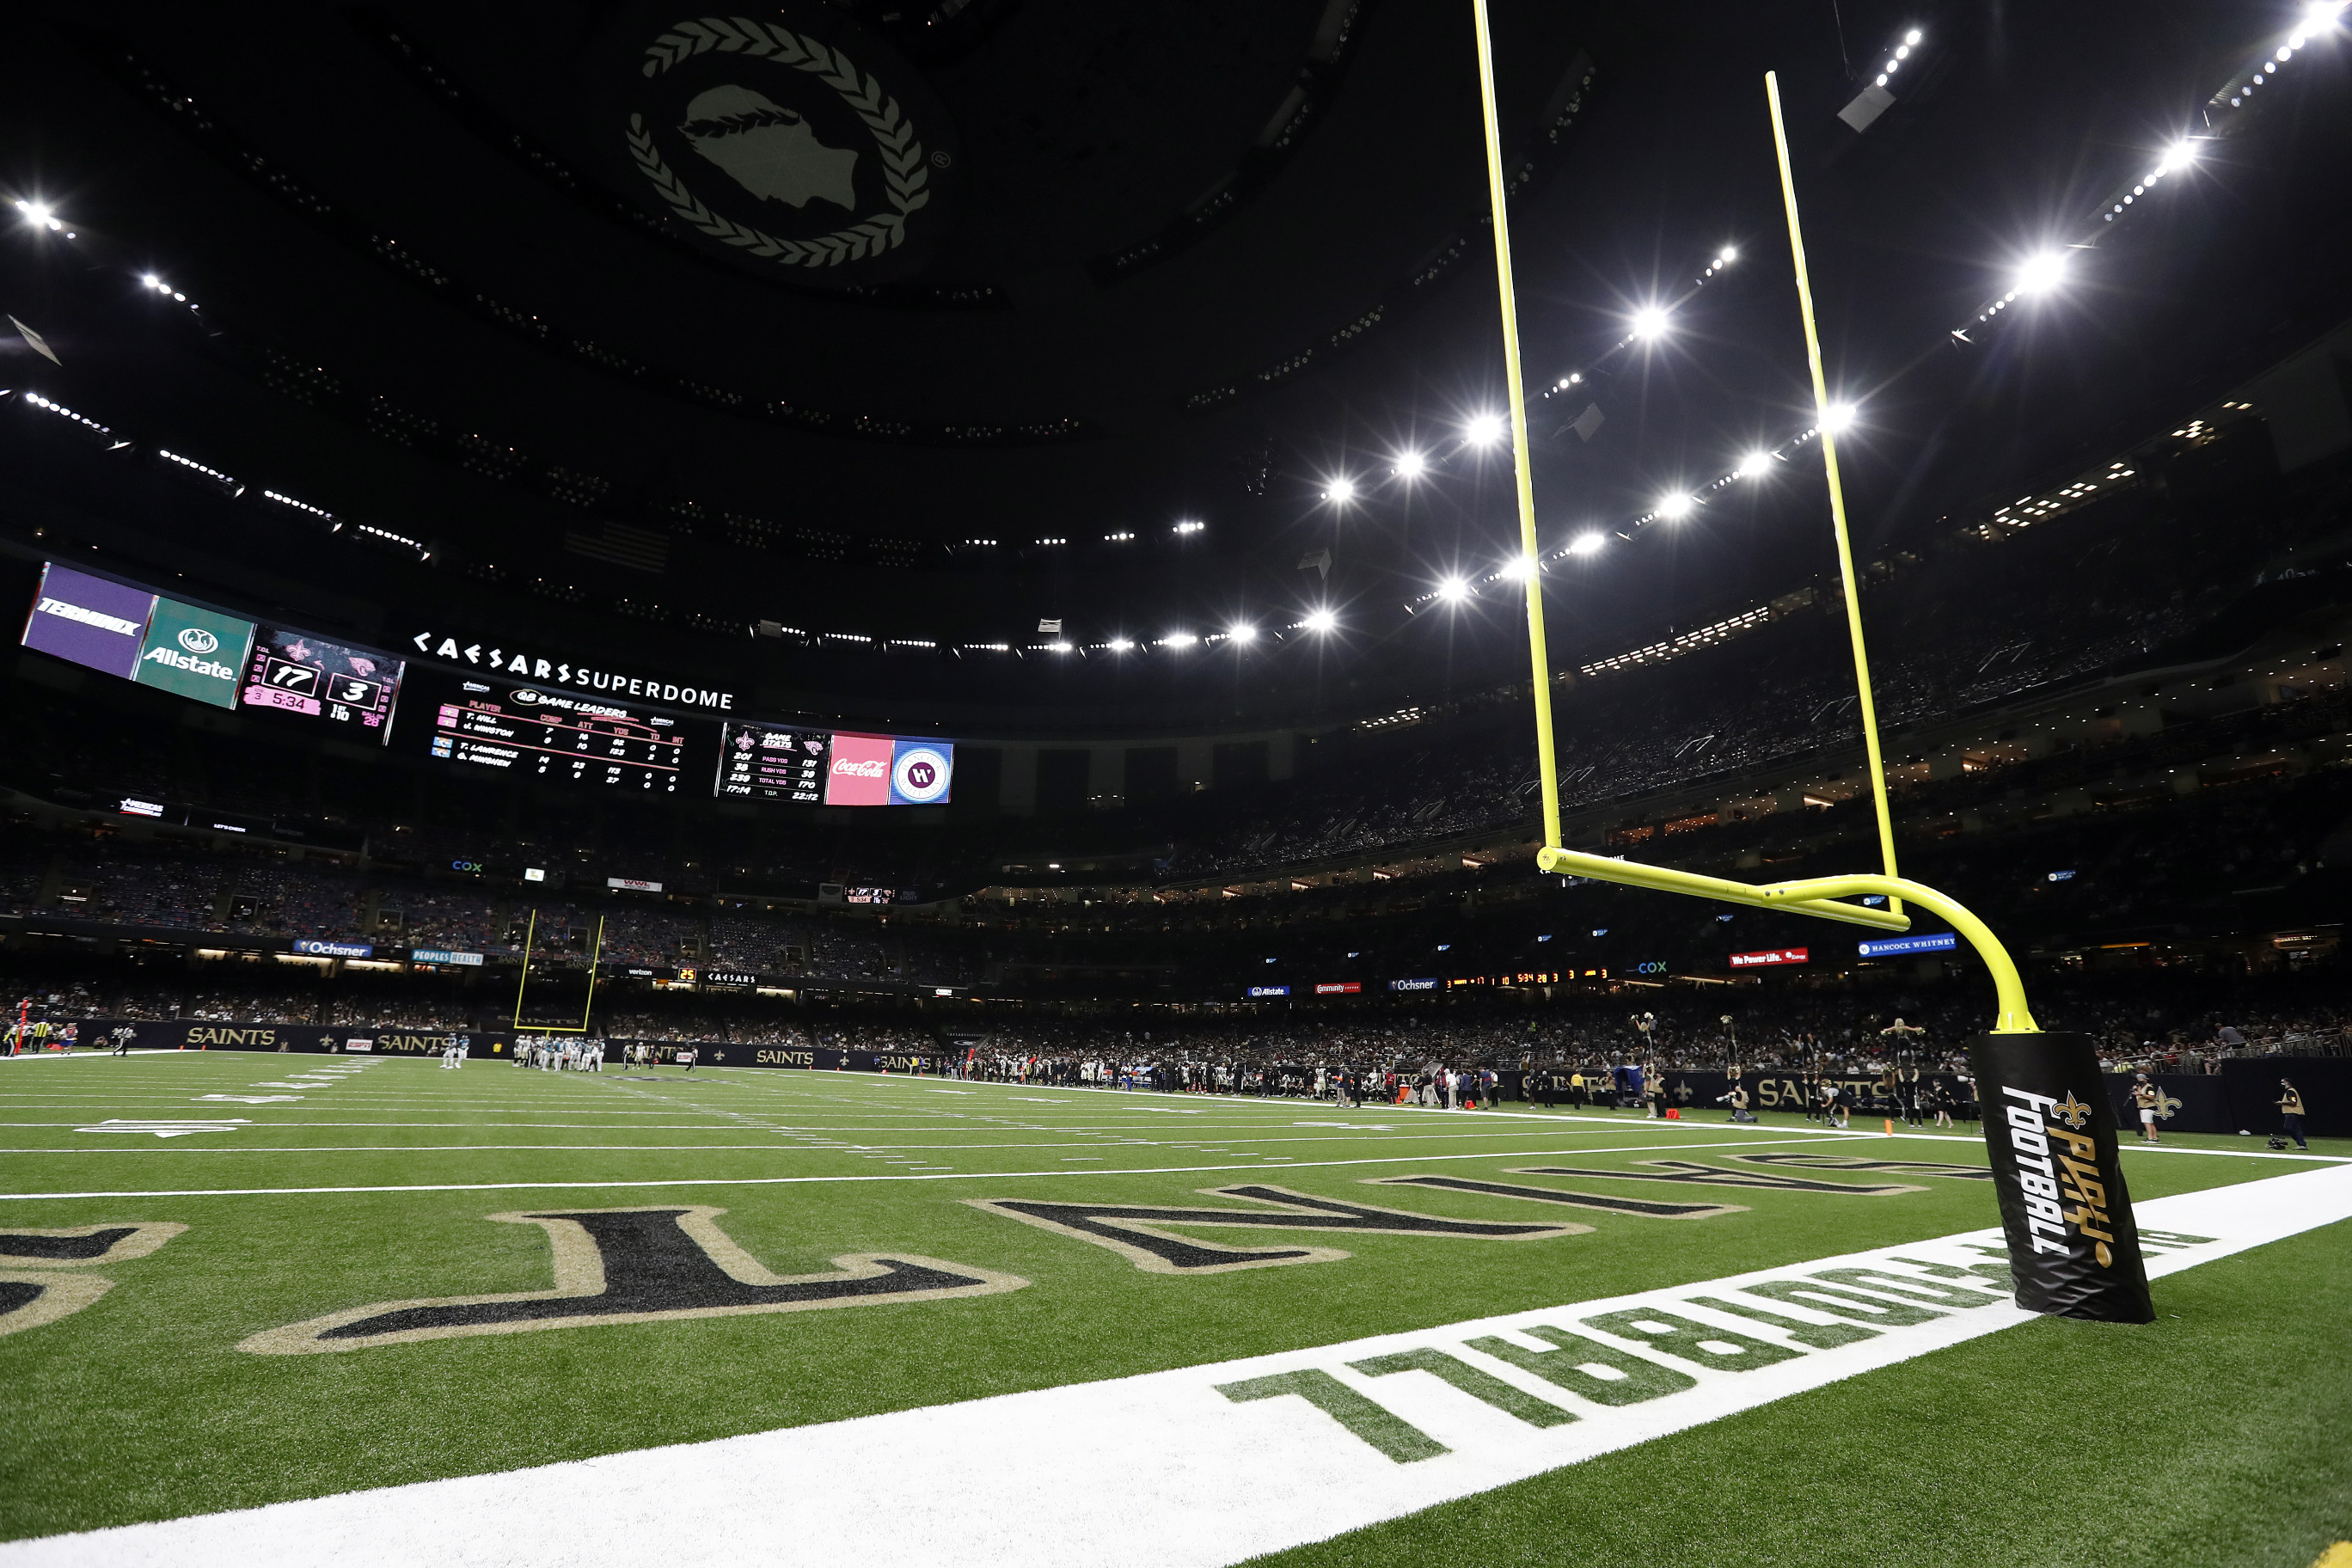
792, 1181
874, 1489
1187, 1144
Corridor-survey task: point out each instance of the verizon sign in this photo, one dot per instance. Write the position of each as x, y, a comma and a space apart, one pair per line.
1770, 957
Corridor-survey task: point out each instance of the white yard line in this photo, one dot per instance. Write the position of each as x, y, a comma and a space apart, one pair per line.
791, 1181
1182, 1447
260, 1126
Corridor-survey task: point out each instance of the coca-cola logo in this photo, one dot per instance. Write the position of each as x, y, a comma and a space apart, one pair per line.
844, 767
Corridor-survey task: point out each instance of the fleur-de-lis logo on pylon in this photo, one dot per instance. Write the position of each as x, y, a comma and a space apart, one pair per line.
2071, 1112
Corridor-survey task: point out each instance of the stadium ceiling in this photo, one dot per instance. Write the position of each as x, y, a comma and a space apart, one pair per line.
933, 325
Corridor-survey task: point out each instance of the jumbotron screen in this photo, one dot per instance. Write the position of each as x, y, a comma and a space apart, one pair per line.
821, 767
514, 729
308, 677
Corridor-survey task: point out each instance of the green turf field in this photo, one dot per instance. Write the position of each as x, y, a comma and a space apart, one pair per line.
317, 1326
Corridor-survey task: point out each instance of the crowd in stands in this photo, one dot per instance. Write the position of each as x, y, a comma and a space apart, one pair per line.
2157, 1021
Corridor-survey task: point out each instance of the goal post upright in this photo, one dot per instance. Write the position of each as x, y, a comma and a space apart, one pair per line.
1548, 765
1821, 423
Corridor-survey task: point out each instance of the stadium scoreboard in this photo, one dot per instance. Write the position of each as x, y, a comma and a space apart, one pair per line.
816, 767
506, 725
770, 762
210, 656
554, 735
310, 677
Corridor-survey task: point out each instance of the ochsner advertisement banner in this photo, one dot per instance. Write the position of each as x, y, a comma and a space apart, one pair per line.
2049, 1135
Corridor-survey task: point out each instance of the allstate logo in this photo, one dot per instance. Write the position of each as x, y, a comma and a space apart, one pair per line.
920, 774
527, 696
196, 639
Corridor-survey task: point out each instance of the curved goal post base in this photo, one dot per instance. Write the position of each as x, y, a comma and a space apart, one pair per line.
2050, 1132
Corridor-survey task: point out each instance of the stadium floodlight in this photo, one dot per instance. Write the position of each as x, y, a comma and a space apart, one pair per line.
2042, 271
1452, 591
1322, 621
1179, 639
1753, 464
1674, 508
1119, 645
1057, 647
38, 215
1649, 322
1912, 37
1340, 490
1518, 568
1241, 631
1587, 544
1486, 429
1411, 465
1730, 254
1837, 419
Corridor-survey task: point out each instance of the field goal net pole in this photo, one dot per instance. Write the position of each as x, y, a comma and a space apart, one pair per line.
595, 952
2083, 1262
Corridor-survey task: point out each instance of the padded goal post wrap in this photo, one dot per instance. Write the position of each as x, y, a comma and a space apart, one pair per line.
2050, 1133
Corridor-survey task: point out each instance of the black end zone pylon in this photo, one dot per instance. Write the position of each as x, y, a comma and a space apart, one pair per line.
2050, 1132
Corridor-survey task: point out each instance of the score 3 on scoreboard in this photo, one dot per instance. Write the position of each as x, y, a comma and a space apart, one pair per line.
291, 672
816, 767
556, 735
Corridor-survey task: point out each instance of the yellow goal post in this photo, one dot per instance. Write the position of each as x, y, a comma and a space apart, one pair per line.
596, 951
1821, 897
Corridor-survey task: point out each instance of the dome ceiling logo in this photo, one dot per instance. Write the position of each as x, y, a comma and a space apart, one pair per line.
827, 155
